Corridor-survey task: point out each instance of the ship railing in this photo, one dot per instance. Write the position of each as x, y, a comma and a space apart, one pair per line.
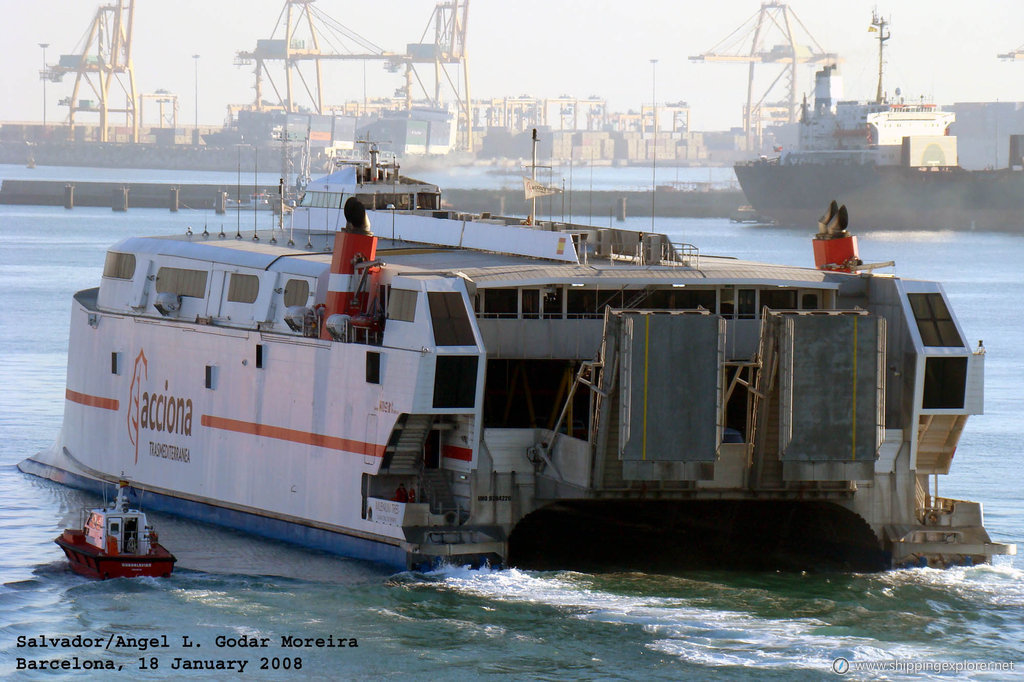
680, 253
684, 253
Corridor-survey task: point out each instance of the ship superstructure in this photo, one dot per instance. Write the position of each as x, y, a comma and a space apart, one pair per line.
412, 386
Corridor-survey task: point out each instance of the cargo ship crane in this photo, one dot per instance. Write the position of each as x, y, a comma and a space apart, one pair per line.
449, 47
104, 59
773, 21
310, 35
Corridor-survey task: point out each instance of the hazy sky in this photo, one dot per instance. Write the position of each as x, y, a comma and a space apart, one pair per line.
943, 49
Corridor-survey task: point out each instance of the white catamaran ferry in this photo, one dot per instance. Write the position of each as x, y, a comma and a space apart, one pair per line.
469, 388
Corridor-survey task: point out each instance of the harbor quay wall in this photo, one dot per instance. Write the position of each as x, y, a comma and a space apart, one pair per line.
600, 204
124, 195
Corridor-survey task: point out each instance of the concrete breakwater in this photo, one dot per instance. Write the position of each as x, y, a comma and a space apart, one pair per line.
599, 205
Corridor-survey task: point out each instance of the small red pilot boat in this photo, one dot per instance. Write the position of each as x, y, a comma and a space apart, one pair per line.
116, 542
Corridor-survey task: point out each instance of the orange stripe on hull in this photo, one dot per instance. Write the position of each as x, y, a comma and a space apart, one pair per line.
456, 452
91, 400
292, 435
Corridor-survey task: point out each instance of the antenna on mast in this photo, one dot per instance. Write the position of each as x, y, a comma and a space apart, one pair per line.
878, 25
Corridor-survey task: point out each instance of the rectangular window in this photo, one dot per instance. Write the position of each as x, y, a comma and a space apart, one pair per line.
243, 288
455, 381
322, 199
608, 299
779, 299
181, 281
945, 383
210, 376
531, 304
501, 302
681, 299
259, 356
115, 363
746, 303
553, 303
372, 367
450, 319
402, 305
296, 292
580, 303
726, 308
934, 321
119, 265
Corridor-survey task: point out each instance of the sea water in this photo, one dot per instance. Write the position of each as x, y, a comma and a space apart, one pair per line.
356, 620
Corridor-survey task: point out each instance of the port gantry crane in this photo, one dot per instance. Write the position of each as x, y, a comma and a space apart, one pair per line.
310, 35
773, 21
105, 59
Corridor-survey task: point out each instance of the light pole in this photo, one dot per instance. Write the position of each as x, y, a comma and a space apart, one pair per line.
43, 77
654, 125
195, 134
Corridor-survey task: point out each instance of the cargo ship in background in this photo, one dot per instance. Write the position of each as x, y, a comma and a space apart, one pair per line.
893, 164
476, 388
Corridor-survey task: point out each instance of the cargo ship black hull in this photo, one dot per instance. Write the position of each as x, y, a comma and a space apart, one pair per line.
886, 197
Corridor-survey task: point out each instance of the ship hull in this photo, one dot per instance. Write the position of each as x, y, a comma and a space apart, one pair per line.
886, 197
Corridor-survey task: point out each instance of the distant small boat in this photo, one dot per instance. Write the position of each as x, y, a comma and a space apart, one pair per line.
116, 542
747, 214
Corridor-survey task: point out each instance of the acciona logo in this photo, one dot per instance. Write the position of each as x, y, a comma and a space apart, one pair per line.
156, 411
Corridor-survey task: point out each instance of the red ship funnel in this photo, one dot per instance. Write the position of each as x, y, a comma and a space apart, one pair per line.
353, 245
834, 247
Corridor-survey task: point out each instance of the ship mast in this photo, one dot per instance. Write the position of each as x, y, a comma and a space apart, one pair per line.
878, 24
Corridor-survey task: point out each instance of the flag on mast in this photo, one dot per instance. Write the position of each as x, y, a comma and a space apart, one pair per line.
535, 189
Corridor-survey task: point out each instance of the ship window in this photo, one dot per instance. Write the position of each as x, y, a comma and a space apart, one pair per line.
243, 288
402, 305
322, 199
725, 306
119, 265
608, 299
531, 304
945, 382
746, 303
553, 303
372, 367
681, 299
934, 321
450, 319
296, 292
181, 282
455, 381
500, 302
779, 299
809, 301
580, 303
115, 363
259, 356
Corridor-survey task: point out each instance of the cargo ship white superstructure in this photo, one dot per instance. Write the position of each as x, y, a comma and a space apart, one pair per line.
469, 388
